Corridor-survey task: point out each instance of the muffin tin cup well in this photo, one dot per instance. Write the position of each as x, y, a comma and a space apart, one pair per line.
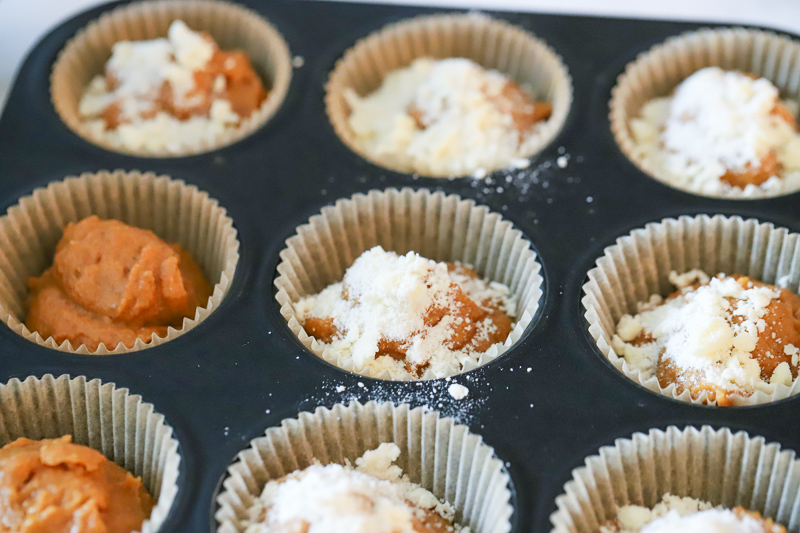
233, 28
491, 43
436, 226
436, 453
99, 415
724, 468
658, 71
639, 264
173, 210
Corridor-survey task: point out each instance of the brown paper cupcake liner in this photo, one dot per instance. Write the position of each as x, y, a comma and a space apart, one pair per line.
491, 43
439, 227
436, 453
658, 71
639, 264
173, 210
232, 27
111, 420
718, 466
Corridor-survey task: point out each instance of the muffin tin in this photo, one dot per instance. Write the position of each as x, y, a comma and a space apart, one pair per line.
241, 370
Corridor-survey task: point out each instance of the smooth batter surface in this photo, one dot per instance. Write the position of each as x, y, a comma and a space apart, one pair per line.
54, 486
113, 283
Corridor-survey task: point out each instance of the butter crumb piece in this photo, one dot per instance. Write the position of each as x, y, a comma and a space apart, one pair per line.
782, 375
459, 392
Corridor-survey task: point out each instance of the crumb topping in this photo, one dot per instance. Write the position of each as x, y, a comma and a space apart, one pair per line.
179, 89
373, 497
727, 335
721, 133
409, 314
448, 117
688, 515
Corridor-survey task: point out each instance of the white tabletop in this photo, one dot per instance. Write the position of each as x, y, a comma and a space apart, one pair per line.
24, 22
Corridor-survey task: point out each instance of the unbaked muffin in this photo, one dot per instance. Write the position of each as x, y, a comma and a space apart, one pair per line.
55, 486
111, 283
373, 496
446, 117
409, 314
171, 93
728, 336
721, 133
673, 514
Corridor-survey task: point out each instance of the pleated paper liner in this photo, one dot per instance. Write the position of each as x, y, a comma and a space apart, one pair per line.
658, 71
491, 43
102, 416
232, 27
639, 264
173, 210
718, 466
436, 453
439, 227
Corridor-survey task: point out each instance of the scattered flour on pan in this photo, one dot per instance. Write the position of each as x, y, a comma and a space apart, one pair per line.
717, 122
687, 515
373, 497
432, 395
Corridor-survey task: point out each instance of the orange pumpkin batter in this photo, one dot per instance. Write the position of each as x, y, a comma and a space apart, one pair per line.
113, 283
54, 486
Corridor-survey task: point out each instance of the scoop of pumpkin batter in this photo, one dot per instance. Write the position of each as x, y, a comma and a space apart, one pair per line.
55, 486
112, 283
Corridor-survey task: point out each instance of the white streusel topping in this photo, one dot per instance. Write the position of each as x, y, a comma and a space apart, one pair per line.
717, 121
389, 297
374, 497
466, 131
140, 69
711, 331
674, 514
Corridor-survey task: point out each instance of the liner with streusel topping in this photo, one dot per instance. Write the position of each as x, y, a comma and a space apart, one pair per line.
173, 210
102, 416
714, 465
438, 227
656, 72
639, 265
231, 26
436, 453
491, 43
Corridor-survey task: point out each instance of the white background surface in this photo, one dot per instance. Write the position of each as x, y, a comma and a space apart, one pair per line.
24, 22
